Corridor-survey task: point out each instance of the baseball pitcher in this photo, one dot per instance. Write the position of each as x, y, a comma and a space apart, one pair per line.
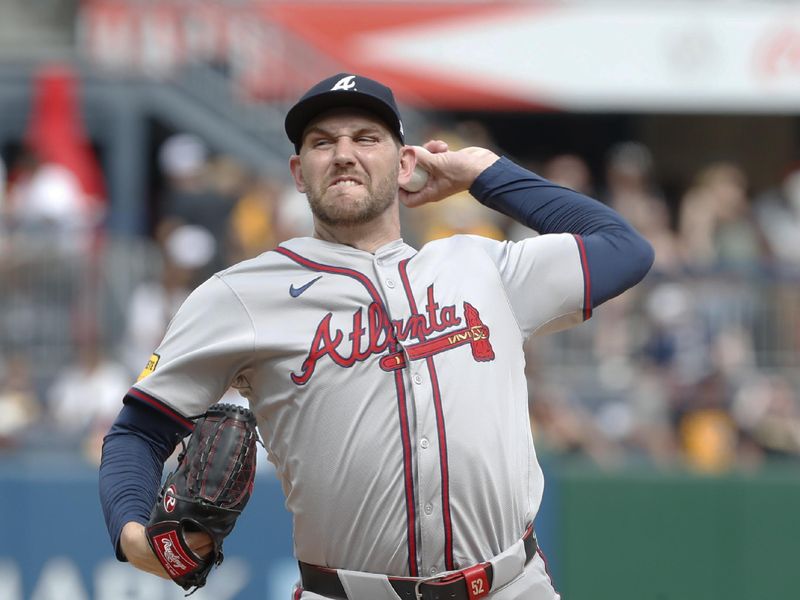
387, 381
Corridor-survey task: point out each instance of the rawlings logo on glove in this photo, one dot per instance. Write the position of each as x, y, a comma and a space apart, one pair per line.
171, 555
207, 492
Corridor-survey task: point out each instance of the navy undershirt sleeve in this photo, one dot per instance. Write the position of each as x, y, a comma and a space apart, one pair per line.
617, 256
134, 452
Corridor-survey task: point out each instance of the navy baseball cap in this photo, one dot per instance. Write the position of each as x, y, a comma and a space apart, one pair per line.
343, 89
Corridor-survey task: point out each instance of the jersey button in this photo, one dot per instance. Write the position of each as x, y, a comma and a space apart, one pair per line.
417, 378
428, 509
424, 442
433, 571
390, 283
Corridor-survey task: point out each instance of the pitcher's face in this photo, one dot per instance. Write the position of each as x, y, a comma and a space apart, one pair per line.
348, 167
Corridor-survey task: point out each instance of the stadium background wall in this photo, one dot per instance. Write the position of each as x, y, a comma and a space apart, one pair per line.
732, 537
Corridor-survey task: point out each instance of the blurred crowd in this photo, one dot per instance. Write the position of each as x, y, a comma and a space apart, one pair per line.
697, 367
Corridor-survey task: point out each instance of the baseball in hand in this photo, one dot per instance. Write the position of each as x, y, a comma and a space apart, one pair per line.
418, 180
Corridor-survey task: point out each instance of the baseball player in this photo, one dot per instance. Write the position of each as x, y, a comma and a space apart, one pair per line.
388, 381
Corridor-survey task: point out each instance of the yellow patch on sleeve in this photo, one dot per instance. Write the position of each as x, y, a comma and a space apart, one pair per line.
149, 367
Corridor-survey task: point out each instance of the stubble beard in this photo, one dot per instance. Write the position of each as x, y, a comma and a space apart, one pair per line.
355, 212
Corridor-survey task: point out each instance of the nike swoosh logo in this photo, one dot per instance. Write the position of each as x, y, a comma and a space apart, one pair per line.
295, 292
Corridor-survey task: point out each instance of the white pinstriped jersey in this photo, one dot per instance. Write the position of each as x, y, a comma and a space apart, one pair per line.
389, 388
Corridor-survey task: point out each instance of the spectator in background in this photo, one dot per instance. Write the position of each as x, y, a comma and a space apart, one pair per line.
47, 200
706, 429
562, 424
186, 254
632, 191
474, 132
230, 181
767, 410
19, 404
709, 434
716, 224
778, 214
700, 350
267, 214
629, 177
569, 170
84, 398
293, 217
253, 226
57, 190
56, 133
460, 214
190, 197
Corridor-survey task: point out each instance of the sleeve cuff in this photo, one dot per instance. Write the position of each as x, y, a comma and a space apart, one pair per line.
160, 406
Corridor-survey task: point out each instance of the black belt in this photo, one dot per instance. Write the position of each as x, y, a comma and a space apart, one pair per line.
325, 581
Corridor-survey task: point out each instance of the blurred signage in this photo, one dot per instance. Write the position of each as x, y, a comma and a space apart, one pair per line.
155, 38
62, 578
678, 56
61, 549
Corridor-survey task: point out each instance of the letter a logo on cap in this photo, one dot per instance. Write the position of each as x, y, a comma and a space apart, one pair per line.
345, 83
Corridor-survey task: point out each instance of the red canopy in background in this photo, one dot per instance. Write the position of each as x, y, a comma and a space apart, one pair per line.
56, 132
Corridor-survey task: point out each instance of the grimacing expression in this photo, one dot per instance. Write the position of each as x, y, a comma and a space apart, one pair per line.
349, 164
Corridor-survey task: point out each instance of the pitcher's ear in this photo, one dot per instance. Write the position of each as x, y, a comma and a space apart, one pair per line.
297, 173
408, 161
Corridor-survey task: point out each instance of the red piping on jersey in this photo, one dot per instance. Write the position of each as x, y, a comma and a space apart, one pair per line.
587, 280
401, 399
546, 567
161, 407
440, 428
408, 473
298, 593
